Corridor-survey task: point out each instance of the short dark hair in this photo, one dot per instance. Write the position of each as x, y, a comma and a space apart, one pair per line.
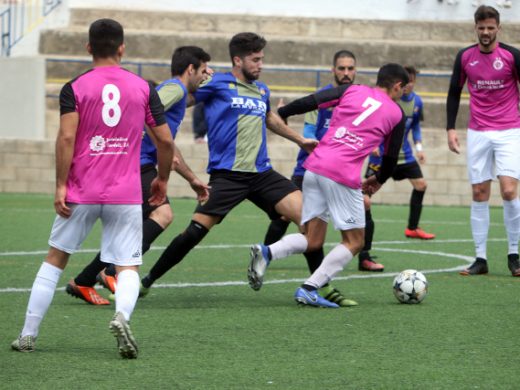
486, 12
412, 70
390, 74
185, 56
343, 54
245, 43
105, 36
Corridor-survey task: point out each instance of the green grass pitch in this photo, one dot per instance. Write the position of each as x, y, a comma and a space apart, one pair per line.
204, 328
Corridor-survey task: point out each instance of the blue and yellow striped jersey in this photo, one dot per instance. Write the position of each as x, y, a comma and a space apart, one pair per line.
236, 117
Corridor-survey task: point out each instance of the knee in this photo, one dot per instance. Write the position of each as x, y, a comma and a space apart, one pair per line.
509, 193
367, 202
163, 215
421, 186
480, 194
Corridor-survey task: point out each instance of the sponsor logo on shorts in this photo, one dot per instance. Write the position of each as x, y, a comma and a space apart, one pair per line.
351, 220
136, 254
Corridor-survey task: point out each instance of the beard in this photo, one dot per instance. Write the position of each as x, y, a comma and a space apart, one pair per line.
250, 76
344, 80
491, 41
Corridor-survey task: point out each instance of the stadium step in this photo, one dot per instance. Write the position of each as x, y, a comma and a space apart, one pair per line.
281, 49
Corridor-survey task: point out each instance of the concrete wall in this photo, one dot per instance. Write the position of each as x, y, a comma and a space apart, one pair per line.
28, 166
22, 103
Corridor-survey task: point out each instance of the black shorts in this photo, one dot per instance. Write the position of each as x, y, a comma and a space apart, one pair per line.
148, 173
298, 181
410, 170
229, 188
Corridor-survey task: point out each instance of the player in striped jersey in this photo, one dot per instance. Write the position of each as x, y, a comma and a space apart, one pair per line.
238, 113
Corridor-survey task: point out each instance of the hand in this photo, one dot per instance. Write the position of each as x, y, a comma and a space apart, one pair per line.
421, 157
158, 191
376, 152
453, 141
59, 202
370, 185
308, 144
201, 189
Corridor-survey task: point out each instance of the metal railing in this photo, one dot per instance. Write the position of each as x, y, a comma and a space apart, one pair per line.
20, 17
139, 68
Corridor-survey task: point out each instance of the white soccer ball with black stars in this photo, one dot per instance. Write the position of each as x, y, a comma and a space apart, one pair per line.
410, 286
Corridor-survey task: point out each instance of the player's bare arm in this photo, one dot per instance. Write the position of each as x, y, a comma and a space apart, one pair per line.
200, 188
165, 146
64, 151
277, 125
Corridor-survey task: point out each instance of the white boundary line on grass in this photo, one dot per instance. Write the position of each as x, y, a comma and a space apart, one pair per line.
230, 246
51, 211
467, 259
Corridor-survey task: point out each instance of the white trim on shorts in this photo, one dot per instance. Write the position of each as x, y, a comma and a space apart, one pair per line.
122, 234
325, 199
493, 153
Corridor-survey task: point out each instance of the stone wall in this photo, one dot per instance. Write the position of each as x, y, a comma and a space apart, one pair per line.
28, 167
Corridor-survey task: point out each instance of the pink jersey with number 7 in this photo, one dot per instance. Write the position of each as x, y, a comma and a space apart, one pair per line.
363, 117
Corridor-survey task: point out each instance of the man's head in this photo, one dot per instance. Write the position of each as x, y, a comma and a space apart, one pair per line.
393, 78
105, 39
412, 75
344, 67
487, 26
246, 52
192, 62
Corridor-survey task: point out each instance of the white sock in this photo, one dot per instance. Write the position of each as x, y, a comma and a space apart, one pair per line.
42, 293
512, 223
480, 227
335, 261
290, 244
127, 292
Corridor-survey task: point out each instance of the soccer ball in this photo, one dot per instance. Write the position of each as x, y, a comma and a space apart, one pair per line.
410, 286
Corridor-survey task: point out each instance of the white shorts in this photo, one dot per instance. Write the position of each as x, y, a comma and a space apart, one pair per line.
324, 198
122, 235
493, 153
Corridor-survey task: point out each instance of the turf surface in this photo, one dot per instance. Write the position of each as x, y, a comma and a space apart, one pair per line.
204, 328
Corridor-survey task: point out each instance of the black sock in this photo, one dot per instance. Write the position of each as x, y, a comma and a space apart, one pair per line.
175, 252
276, 230
364, 255
151, 230
416, 201
87, 277
110, 270
308, 287
369, 230
314, 259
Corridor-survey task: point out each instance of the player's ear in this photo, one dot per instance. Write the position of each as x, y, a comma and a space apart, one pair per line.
89, 48
237, 61
121, 50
